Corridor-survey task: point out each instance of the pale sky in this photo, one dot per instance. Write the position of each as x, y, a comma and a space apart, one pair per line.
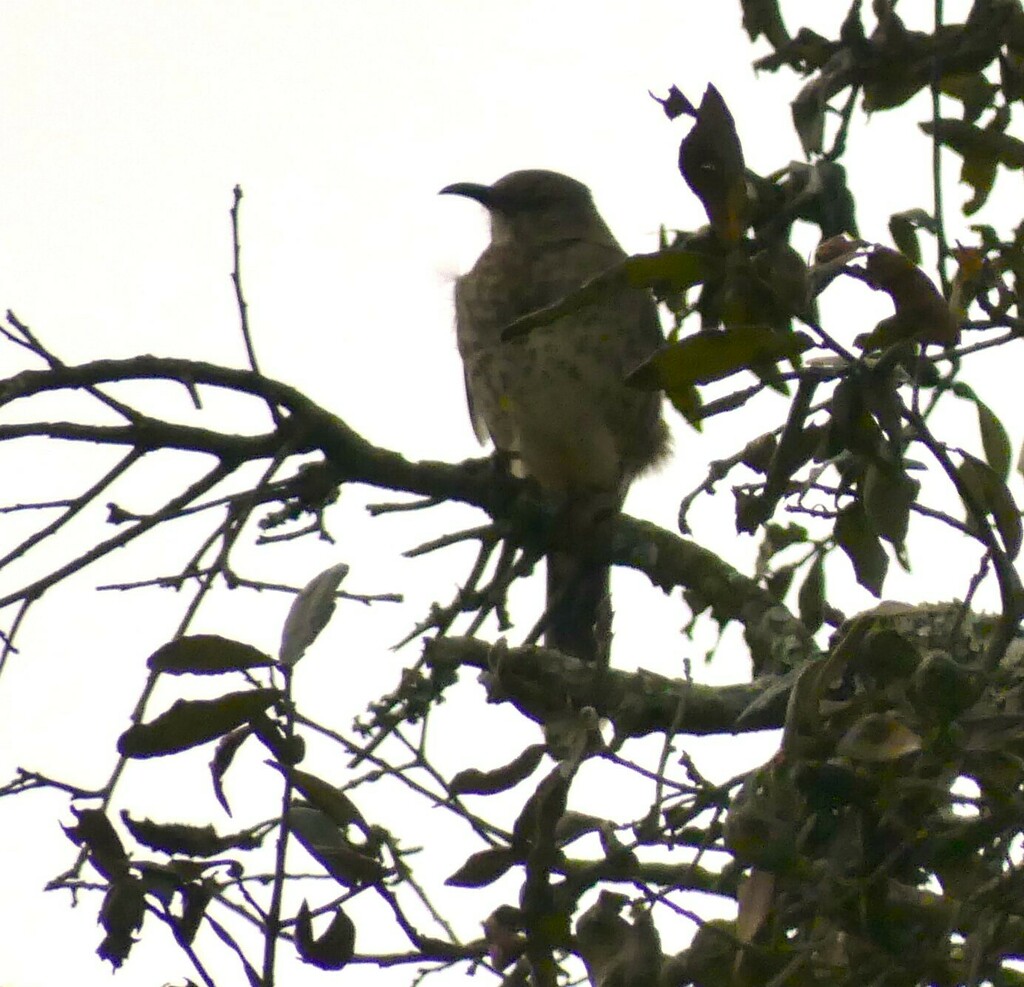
125, 127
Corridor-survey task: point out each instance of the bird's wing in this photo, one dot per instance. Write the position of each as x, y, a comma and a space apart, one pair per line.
463, 330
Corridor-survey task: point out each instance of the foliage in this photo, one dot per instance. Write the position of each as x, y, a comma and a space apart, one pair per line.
880, 844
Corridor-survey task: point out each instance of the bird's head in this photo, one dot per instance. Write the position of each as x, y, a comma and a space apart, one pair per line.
535, 206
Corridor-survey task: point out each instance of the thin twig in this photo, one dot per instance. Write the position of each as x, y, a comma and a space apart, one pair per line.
236, 280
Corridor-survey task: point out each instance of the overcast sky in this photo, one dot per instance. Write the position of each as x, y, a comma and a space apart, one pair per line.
125, 126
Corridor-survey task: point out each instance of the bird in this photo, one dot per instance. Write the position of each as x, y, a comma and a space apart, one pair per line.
554, 400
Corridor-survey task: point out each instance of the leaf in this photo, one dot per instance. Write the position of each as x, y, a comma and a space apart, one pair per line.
982, 150
811, 596
223, 755
334, 948
878, 738
504, 936
711, 162
763, 17
121, 915
903, 227
309, 613
994, 441
483, 868
675, 104
851, 426
777, 538
199, 841
713, 354
327, 798
991, 495
185, 839
887, 494
886, 655
779, 582
189, 723
853, 534
539, 816
687, 401
757, 453
195, 898
755, 897
783, 276
970, 88
945, 687
573, 825
206, 654
671, 269
320, 835
96, 834
288, 748
617, 952
475, 782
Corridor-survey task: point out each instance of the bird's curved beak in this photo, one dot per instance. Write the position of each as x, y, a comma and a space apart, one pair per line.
483, 194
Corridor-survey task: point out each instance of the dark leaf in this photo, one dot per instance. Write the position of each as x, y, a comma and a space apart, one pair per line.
189, 723
687, 401
669, 270
785, 280
675, 104
758, 453
322, 837
182, 838
763, 18
994, 441
95, 833
328, 799
288, 748
968, 140
503, 930
804, 53
854, 535
888, 494
970, 88
990, 495
121, 915
614, 950
711, 162
809, 107
713, 354
539, 816
982, 150
778, 583
776, 538
196, 897
792, 452
482, 868
886, 656
903, 227
475, 782
334, 948
206, 654
573, 825
811, 596
223, 755
1011, 75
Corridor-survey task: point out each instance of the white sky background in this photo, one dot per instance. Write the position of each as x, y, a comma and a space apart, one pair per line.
124, 128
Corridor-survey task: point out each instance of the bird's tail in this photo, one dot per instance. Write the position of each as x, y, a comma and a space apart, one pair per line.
579, 612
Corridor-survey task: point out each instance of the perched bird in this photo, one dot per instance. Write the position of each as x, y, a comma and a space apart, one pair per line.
554, 400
